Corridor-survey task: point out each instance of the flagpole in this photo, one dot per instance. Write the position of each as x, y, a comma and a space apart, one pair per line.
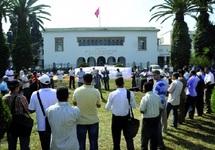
99, 17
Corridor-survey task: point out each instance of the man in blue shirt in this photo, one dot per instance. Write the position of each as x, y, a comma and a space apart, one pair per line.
191, 94
3, 85
160, 88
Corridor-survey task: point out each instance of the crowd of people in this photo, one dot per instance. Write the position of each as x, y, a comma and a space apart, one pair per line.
180, 92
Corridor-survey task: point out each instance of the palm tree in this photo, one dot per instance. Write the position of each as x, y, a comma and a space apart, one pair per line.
181, 42
204, 31
4, 50
22, 12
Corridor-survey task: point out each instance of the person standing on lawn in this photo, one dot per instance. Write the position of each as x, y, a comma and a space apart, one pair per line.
118, 103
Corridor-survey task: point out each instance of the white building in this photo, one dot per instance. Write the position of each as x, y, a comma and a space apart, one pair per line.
164, 48
99, 46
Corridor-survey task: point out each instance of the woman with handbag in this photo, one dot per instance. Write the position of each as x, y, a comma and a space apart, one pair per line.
18, 106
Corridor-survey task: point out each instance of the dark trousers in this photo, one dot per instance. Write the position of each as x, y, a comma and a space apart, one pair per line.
149, 133
12, 142
93, 133
208, 92
200, 104
142, 83
170, 107
45, 139
120, 124
190, 106
52, 83
27, 93
159, 133
98, 86
181, 108
106, 82
72, 81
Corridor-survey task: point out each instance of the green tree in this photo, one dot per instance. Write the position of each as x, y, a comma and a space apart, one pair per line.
5, 117
204, 31
4, 50
181, 42
23, 11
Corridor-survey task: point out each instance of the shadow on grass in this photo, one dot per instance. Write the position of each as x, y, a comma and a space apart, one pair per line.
185, 143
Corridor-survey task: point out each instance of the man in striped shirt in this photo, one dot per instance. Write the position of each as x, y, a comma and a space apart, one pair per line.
160, 88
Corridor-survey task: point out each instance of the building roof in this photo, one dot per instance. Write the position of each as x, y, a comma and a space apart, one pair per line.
102, 29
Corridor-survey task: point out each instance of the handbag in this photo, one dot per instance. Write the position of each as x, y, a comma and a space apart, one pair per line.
21, 125
47, 125
133, 123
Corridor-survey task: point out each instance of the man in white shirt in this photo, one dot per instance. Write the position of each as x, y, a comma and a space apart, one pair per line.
48, 97
60, 74
71, 78
63, 120
118, 74
150, 107
21, 72
9, 72
118, 103
26, 85
173, 101
209, 84
51, 75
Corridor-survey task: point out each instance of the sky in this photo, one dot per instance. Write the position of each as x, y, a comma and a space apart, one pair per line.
113, 13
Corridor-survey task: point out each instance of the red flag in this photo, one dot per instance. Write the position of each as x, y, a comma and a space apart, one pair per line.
97, 13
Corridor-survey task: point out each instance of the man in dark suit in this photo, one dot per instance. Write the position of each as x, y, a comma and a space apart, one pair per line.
106, 78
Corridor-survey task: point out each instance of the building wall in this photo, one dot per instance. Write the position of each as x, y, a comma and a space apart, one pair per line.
72, 51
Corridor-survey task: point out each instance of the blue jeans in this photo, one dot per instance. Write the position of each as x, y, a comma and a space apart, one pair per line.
12, 142
93, 133
170, 107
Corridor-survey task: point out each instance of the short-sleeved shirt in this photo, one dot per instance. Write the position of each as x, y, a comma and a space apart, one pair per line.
174, 90
25, 79
60, 74
209, 77
3, 86
72, 72
160, 88
150, 105
80, 76
191, 86
63, 120
87, 98
48, 98
118, 102
50, 74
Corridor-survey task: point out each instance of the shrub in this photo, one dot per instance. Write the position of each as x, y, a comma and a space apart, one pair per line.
119, 65
5, 117
200, 61
83, 65
213, 100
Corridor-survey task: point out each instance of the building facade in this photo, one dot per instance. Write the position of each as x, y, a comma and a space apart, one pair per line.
100, 46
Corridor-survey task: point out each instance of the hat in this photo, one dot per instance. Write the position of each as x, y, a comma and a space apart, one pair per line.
198, 73
4, 77
44, 79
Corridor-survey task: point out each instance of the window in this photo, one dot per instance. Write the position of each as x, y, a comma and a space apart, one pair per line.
141, 43
59, 44
100, 41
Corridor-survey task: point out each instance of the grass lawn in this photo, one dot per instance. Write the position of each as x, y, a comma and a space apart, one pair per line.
197, 134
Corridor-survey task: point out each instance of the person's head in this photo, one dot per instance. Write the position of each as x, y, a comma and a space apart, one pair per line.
81, 69
5, 78
192, 72
60, 68
62, 94
199, 74
181, 73
119, 82
117, 69
165, 70
14, 85
150, 68
44, 81
105, 68
25, 71
87, 78
207, 70
35, 73
148, 86
156, 74
16, 76
175, 76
